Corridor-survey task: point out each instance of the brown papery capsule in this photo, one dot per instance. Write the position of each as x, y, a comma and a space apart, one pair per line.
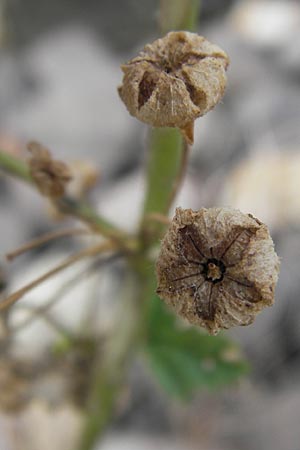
174, 80
217, 267
49, 175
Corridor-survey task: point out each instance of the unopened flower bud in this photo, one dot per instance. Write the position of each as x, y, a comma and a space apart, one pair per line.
217, 267
174, 80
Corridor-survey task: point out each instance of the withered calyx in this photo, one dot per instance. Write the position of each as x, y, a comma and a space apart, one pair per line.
217, 267
174, 80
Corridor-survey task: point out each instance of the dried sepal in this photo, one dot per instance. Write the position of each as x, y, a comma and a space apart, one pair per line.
85, 178
174, 80
49, 175
217, 267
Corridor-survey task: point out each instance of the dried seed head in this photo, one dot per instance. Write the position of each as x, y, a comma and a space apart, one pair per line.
217, 267
174, 80
49, 175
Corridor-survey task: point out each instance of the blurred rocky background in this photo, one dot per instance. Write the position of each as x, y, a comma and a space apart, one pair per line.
59, 69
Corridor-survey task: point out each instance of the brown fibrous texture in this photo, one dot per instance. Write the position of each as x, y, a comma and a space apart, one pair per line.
217, 267
174, 80
49, 175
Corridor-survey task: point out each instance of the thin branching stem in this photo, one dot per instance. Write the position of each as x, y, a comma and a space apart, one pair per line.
36, 313
45, 238
88, 252
73, 207
62, 291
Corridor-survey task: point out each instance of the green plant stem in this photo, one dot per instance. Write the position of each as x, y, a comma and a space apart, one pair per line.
17, 168
178, 15
109, 373
166, 159
14, 166
86, 213
168, 151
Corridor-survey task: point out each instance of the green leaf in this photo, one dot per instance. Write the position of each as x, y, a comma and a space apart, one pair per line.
185, 359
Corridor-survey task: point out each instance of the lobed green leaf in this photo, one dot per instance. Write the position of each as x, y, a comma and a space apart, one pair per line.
184, 359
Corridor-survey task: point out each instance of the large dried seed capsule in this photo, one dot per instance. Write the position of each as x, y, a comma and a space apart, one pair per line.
217, 267
174, 80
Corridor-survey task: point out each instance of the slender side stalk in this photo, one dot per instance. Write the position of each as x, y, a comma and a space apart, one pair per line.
86, 213
45, 238
87, 252
49, 319
14, 166
66, 205
71, 284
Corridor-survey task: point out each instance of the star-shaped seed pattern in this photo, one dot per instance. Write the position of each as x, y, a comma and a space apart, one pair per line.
217, 267
174, 80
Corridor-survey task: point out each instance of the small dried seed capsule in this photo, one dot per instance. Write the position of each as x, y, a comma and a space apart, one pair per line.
49, 175
217, 267
174, 80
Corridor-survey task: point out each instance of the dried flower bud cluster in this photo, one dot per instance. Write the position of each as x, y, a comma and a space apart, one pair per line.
49, 175
217, 267
174, 80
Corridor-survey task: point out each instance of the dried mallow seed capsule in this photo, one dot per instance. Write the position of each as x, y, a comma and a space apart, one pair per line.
50, 176
174, 80
217, 267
